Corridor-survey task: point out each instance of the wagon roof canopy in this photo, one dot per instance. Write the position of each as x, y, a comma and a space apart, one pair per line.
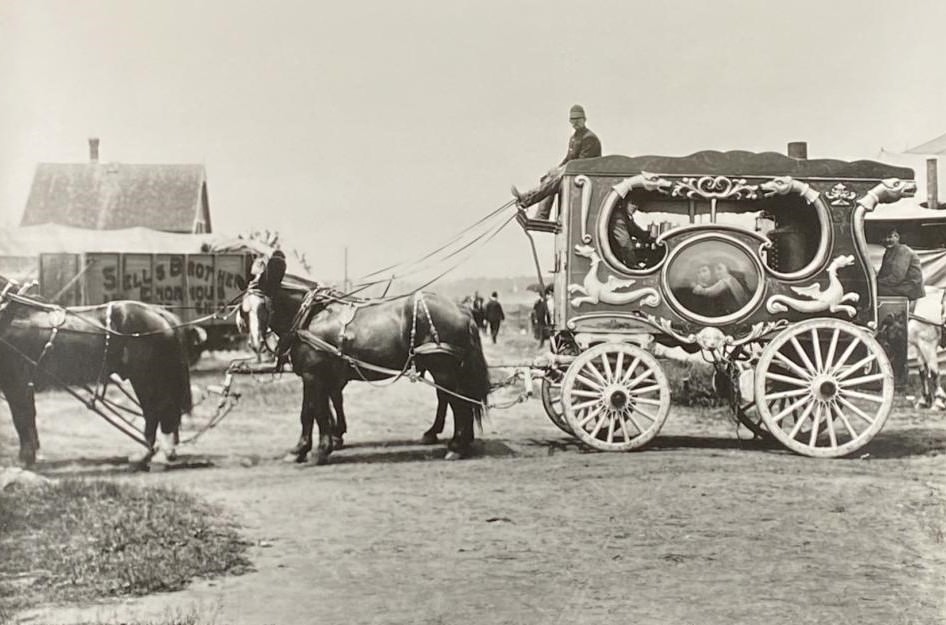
110, 196
737, 163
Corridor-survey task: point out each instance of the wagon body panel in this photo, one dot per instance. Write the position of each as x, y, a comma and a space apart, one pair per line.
596, 293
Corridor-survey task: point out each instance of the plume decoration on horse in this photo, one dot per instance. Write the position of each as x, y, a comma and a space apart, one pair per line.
332, 338
92, 345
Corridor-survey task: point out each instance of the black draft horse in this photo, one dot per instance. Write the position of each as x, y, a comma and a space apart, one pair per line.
327, 336
45, 345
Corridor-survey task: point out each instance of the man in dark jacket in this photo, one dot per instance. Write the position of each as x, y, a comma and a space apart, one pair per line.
900, 272
541, 320
494, 315
582, 144
625, 233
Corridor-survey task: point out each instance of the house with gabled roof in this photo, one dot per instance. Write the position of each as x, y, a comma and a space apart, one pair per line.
112, 196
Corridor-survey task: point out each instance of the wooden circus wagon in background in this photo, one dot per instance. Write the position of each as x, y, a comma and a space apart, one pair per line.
756, 261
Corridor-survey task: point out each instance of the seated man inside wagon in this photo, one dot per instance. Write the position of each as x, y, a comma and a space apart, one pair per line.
582, 144
625, 236
900, 273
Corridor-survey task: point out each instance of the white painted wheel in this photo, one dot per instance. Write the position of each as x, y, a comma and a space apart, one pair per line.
551, 393
615, 397
824, 387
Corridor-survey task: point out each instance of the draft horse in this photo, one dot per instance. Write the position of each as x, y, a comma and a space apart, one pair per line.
925, 334
45, 345
332, 340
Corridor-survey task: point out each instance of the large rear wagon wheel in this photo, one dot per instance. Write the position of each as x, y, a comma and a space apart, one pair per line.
824, 387
615, 397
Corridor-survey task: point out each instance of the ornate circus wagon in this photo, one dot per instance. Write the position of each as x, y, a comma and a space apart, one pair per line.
757, 261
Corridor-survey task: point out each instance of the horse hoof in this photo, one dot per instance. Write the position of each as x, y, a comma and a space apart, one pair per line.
428, 439
452, 455
338, 442
321, 458
300, 458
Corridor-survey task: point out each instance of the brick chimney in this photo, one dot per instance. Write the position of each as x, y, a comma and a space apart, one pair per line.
932, 192
798, 149
93, 149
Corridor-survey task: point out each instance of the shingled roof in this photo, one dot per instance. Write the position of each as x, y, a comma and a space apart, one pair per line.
109, 196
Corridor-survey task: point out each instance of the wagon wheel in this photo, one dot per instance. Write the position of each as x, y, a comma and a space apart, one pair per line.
551, 392
836, 381
615, 397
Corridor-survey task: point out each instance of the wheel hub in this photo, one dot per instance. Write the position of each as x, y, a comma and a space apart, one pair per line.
618, 398
824, 388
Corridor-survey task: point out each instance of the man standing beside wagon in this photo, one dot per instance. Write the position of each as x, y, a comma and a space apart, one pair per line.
900, 272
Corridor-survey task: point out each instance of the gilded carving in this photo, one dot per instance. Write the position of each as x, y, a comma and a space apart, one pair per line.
831, 298
594, 291
715, 187
840, 195
887, 191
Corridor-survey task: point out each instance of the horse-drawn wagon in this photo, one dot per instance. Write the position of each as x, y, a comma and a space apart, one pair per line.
757, 261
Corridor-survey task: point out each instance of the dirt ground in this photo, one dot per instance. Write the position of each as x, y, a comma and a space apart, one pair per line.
701, 527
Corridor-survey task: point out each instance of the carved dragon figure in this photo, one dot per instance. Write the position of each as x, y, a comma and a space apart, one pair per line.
645, 181
830, 298
889, 190
783, 185
594, 291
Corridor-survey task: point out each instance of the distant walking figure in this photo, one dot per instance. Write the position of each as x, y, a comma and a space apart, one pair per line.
479, 314
494, 315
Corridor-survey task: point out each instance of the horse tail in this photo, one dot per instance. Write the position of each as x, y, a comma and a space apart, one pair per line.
474, 373
179, 355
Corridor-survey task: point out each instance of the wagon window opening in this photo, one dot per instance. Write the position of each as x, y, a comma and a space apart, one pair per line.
794, 229
789, 222
632, 235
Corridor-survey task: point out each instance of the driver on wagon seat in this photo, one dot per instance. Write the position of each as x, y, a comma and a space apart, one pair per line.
582, 144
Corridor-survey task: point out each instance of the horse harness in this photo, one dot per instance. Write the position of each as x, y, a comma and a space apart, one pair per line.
319, 298
57, 316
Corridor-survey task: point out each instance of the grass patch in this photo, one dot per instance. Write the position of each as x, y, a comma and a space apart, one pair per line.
76, 539
691, 383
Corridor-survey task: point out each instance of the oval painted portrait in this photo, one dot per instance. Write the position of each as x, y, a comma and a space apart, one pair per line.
713, 279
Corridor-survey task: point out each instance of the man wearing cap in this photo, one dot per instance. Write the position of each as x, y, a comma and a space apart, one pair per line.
900, 273
582, 144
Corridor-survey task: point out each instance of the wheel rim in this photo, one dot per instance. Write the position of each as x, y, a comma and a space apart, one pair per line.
615, 397
824, 387
552, 402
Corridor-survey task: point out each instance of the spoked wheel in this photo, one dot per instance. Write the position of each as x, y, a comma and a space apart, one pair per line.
615, 397
824, 387
551, 392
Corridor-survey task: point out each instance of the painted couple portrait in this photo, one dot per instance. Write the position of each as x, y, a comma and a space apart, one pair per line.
713, 284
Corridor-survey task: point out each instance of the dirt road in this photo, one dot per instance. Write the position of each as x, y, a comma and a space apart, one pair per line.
699, 528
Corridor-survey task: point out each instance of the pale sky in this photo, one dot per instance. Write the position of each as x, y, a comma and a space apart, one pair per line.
387, 126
